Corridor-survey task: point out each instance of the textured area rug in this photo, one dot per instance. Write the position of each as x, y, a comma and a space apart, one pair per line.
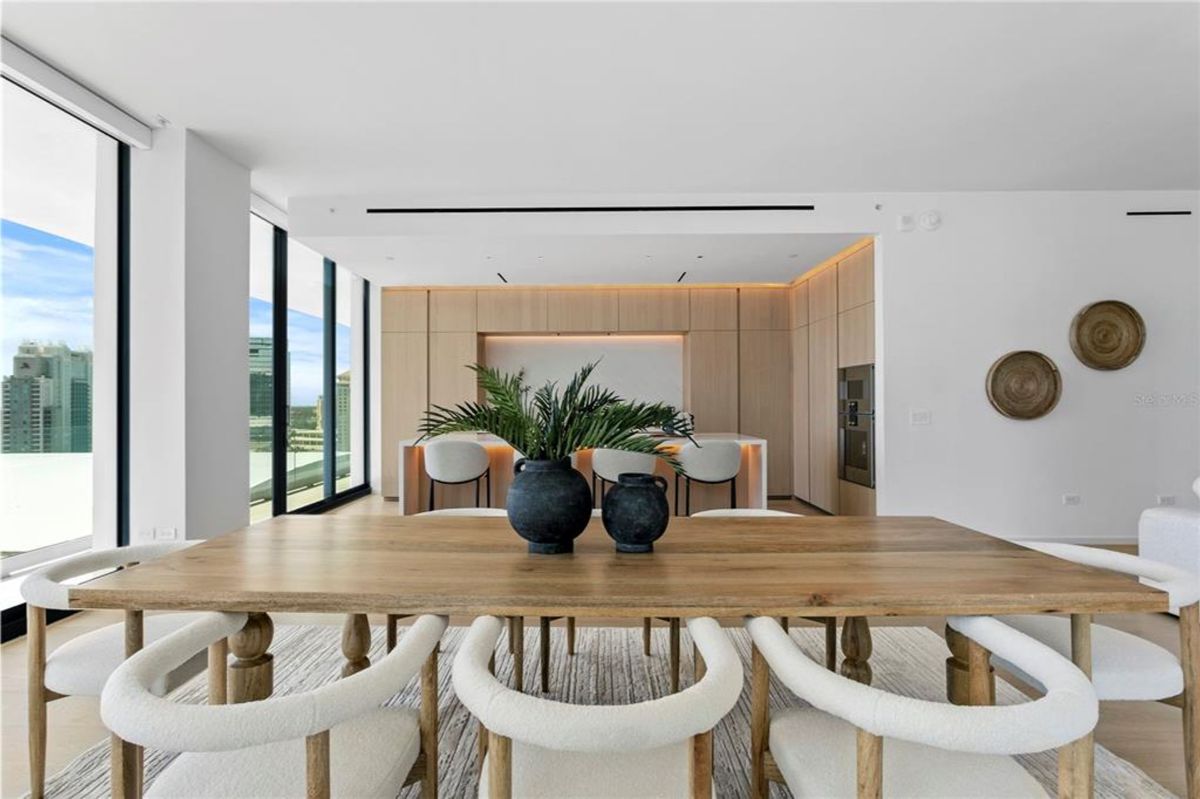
609, 668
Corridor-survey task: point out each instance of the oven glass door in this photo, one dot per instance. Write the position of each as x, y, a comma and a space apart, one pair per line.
857, 450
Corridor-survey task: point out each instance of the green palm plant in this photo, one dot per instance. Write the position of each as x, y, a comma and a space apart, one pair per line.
550, 423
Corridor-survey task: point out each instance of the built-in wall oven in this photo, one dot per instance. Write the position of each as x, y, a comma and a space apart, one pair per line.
856, 425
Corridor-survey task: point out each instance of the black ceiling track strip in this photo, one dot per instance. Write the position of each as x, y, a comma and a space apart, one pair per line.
591, 209
1158, 213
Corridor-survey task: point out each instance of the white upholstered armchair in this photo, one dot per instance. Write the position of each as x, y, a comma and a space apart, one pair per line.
859, 740
336, 740
540, 748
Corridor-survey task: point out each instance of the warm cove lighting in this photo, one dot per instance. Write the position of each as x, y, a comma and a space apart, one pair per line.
535, 337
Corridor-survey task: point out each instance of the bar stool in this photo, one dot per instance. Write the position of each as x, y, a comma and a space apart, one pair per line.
609, 464
714, 463
454, 462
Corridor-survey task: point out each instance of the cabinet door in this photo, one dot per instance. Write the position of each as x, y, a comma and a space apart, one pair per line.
822, 414
800, 304
856, 335
710, 380
822, 295
404, 397
581, 310
856, 279
452, 310
764, 308
713, 309
404, 311
800, 456
450, 381
856, 500
511, 310
653, 310
765, 400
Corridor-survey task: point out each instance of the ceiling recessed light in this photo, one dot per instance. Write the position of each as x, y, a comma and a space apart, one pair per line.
699, 256
389, 257
794, 255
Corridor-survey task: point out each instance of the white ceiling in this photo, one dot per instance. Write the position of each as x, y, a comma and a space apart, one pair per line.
445, 100
583, 259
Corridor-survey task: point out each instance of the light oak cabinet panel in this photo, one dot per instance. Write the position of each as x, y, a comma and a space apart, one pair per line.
856, 335
714, 309
800, 456
764, 309
822, 295
799, 300
653, 310
822, 414
710, 380
404, 311
511, 310
582, 310
856, 279
856, 500
765, 400
404, 397
451, 310
450, 381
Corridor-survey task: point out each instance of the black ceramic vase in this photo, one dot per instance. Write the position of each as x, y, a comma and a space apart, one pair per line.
635, 511
549, 505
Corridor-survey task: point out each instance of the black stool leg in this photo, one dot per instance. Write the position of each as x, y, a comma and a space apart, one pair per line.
488, 475
676, 493
733, 493
431, 482
687, 490
478, 480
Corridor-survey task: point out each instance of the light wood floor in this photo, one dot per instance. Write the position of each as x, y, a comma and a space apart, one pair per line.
1147, 734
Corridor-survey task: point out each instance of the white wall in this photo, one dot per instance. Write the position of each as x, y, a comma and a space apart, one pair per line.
1006, 270
189, 467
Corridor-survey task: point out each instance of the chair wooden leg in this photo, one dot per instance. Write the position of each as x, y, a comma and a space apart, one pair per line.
35, 636
316, 761
429, 725
870, 766
759, 685
783, 622
518, 643
482, 743
831, 644
135, 639
392, 631
544, 652
1083, 750
1189, 658
512, 633
646, 636
124, 770
674, 623
499, 767
218, 672
701, 766
570, 635
699, 667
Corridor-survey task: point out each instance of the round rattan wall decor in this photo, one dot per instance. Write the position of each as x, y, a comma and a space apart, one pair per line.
1108, 335
1024, 385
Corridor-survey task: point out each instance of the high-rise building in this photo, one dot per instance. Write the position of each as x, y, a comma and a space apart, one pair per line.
342, 406
262, 383
48, 400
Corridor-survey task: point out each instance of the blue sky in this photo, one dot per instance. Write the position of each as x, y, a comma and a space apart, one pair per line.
306, 343
46, 288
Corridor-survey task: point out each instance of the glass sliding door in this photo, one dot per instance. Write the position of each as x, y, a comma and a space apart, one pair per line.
262, 365
58, 340
347, 377
307, 405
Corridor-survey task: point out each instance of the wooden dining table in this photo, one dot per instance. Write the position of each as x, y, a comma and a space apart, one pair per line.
848, 568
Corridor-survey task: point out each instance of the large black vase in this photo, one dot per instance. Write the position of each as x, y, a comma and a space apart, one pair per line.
635, 511
549, 505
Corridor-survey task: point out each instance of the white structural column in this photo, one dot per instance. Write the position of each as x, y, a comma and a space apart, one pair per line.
189, 464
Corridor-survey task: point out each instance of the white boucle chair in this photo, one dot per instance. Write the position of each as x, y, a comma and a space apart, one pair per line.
1171, 535
516, 624
1126, 667
453, 461
713, 462
335, 740
610, 464
540, 748
81, 666
931, 748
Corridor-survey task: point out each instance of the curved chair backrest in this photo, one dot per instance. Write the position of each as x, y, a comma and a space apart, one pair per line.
611, 463
1182, 587
1066, 712
712, 461
595, 728
450, 460
135, 714
464, 512
45, 588
734, 512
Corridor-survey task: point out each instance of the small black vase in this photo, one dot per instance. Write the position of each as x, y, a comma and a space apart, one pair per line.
635, 511
549, 505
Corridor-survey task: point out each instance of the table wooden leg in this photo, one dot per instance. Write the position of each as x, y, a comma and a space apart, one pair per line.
429, 726
252, 674
759, 719
831, 644
981, 681
218, 667
356, 643
1189, 658
856, 646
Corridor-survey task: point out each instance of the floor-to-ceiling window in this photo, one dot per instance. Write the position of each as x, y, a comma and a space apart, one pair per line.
307, 377
58, 239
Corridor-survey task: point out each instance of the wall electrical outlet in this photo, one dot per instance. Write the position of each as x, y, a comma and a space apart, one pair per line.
166, 533
920, 417
1070, 499
1164, 499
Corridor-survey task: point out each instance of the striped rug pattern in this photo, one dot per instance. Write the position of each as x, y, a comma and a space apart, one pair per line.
608, 668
